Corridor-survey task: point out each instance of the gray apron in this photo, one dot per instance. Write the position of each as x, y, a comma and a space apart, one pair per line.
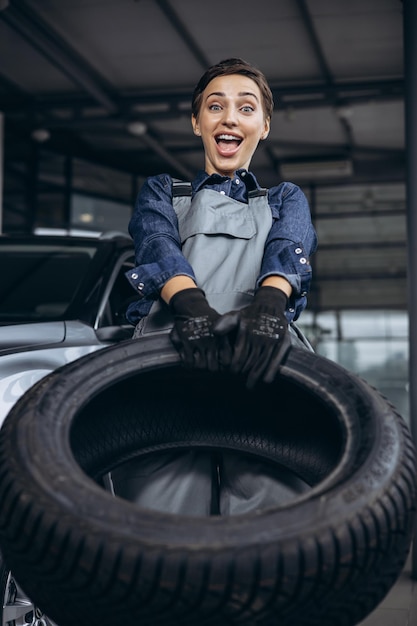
224, 241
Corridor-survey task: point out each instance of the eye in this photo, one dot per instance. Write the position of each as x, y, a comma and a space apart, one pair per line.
247, 108
214, 107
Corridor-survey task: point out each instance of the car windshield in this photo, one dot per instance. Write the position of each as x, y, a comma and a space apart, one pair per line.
38, 282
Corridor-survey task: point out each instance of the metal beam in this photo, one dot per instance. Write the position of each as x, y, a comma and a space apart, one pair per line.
360, 245
2, 168
410, 62
161, 104
39, 35
356, 276
322, 62
157, 147
314, 41
183, 32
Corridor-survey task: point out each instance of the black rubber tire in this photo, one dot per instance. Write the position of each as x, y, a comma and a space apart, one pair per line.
88, 558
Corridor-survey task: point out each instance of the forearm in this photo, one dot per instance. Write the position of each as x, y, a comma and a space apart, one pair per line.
279, 282
174, 285
290, 243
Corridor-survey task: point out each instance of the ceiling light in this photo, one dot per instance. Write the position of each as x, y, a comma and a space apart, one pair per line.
316, 170
138, 129
40, 135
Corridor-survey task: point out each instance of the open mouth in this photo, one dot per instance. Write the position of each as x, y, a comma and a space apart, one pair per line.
231, 141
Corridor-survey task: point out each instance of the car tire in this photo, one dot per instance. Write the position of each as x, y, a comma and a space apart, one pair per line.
89, 558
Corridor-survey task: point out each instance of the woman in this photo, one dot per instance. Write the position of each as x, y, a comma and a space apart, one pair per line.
243, 249
223, 264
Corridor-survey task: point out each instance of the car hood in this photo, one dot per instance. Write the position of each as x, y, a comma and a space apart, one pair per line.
29, 352
21, 337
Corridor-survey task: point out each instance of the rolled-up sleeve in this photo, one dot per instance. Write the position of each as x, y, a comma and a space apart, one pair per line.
290, 243
154, 230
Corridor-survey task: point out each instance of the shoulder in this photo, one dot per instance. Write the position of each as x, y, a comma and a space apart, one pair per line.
287, 198
159, 185
286, 192
159, 180
284, 189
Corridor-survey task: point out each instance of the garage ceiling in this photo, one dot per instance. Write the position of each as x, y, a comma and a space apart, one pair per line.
109, 82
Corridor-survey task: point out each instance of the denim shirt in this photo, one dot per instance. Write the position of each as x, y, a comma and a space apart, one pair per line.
154, 230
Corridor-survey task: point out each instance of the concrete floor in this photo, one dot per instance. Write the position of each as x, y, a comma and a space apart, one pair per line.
399, 608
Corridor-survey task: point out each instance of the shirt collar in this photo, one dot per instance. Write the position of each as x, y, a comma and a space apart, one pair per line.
202, 179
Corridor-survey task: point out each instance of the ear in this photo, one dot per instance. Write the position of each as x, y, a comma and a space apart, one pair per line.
267, 126
195, 126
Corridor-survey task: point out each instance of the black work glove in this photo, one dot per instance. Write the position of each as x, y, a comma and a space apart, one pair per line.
261, 339
192, 334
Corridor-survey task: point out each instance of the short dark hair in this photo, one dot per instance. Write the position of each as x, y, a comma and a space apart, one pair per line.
233, 66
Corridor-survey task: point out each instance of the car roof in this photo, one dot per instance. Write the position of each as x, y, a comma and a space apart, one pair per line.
55, 238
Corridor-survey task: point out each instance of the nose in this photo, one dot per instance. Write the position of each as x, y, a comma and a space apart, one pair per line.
230, 116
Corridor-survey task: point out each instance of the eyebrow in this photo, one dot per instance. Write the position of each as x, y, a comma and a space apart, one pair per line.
241, 94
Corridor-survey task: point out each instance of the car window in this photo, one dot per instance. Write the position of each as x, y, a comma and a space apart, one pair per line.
120, 294
37, 283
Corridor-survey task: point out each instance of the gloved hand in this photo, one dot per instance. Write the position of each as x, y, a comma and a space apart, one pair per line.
192, 334
261, 338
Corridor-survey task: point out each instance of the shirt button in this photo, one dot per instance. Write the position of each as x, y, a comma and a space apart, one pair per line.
291, 310
298, 250
237, 181
223, 193
134, 276
140, 286
303, 294
303, 260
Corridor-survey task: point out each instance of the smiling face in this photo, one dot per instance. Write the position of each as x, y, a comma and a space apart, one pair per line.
231, 122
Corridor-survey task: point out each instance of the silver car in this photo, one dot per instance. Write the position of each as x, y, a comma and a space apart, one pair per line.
61, 297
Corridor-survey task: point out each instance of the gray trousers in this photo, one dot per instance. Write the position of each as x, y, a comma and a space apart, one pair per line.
204, 482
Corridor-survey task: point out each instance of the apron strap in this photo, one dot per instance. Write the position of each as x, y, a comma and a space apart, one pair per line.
181, 188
